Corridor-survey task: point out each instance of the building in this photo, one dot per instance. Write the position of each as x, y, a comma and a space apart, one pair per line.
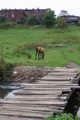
39, 13
69, 18
16, 14
11, 15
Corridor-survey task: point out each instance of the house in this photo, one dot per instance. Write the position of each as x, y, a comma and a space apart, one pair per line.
11, 15
71, 19
39, 13
16, 14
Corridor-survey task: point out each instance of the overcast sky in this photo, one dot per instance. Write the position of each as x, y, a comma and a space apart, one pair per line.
72, 6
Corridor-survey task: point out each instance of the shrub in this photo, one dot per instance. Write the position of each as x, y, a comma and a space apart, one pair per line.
61, 22
8, 25
65, 116
5, 69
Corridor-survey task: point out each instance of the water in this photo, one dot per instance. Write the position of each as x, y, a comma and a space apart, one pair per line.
8, 88
78, 113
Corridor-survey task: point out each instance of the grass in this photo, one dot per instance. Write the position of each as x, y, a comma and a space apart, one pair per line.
19, 43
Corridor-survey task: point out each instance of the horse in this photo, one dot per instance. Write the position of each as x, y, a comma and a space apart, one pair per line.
39, 52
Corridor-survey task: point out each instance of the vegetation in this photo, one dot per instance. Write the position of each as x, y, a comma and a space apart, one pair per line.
5, 68
49, 19
65, 116
61, 46
61, 22
17, 47
23, 20
32, 20
2, 19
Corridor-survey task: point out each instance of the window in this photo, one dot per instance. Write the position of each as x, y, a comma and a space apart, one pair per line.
12, 15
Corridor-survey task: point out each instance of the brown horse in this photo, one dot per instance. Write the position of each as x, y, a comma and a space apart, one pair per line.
39, 52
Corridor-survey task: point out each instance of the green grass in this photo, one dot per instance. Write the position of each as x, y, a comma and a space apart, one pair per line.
18, 39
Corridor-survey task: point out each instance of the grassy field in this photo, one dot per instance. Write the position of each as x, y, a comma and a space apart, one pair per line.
61, 45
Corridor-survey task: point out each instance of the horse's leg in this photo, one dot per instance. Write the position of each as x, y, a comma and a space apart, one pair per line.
38, 56
43, 55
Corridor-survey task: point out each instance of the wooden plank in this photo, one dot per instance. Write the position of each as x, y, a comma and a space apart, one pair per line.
54, 103
54, 82
43, 89
66, 70
5, 117
29, 109
20, 114
47, 85
62, 74
36, 97
30, 92
48, 77
33, 106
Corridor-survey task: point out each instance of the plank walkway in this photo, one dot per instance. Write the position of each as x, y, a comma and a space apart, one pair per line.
47, 95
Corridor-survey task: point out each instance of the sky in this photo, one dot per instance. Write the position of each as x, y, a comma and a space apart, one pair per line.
72, 6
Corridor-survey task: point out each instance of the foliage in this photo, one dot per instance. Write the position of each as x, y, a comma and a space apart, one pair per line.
23, 20
61, 22
49, 19
2, 19
5, 68
8, 25
64, 116
32, 20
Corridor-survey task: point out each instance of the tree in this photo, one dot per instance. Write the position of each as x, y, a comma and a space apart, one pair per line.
2, 19
63, 13
61, 22
23, 20
49, 19
32, 20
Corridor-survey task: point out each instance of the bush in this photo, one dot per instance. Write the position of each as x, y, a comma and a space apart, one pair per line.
5, 69
61, 22
65, 116
8, 25
33, 20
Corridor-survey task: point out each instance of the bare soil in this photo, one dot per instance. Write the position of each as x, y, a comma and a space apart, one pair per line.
28, 73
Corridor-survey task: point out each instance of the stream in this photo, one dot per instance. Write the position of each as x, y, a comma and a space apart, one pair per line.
8, 89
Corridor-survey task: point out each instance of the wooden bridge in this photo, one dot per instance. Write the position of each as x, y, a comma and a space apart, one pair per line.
48, 95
